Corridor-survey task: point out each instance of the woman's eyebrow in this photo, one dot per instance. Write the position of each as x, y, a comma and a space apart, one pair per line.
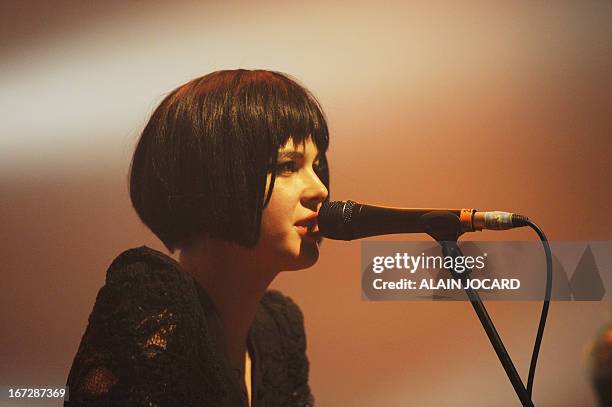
291, 154
295, 155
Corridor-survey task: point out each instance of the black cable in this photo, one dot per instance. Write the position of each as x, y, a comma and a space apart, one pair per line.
545, 306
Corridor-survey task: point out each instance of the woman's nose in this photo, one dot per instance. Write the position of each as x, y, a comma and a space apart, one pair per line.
315, 191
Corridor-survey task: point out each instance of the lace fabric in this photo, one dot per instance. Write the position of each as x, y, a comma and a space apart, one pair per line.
154, 339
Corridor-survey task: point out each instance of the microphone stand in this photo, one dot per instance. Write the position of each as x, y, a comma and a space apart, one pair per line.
445, 228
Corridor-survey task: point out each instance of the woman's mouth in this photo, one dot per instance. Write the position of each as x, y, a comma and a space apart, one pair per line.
302, 230
308, 227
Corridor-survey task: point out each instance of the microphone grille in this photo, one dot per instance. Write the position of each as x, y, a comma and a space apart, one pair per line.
335, 220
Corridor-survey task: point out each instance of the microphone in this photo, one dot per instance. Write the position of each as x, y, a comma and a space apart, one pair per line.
348, 220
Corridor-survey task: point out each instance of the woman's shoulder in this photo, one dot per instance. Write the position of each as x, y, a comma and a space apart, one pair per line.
151, 276
146, 291
146, 265
147, 328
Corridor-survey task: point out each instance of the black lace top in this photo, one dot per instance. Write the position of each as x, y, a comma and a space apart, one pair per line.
155, 339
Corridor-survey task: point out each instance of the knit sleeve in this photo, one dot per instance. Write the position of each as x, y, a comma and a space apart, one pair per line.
138, 348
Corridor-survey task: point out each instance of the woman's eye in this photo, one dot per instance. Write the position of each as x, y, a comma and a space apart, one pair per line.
286, 167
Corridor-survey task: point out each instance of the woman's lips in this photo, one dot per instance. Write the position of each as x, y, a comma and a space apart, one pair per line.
302, 230
309, 230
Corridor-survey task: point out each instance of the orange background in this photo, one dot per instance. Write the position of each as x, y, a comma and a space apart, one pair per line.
491, 105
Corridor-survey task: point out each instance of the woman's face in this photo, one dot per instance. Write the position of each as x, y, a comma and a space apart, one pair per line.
289, 232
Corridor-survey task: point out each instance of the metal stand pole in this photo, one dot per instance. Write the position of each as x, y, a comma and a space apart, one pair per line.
444, 227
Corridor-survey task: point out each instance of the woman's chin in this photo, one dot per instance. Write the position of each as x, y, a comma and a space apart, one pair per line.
307, 256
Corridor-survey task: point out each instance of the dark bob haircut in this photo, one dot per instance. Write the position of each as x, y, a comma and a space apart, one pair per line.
201, 163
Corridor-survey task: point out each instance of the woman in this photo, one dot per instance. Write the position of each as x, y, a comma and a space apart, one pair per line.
231, 171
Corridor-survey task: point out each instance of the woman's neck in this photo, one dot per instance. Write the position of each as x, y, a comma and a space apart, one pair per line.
235, 282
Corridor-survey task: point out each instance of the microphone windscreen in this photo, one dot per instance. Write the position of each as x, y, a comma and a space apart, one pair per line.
335, 218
